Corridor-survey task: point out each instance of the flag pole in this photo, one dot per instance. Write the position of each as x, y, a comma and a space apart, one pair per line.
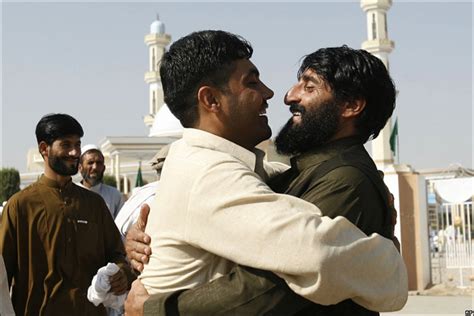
398, 148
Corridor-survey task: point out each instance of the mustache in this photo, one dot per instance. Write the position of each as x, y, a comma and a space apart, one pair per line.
295, 107
70, 159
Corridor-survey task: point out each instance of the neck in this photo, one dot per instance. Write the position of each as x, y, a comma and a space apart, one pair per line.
221, 132
345, 130
62, 180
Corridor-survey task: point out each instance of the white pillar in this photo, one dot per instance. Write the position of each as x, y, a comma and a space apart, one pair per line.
125, 184
379, 45
117, 170
112, 165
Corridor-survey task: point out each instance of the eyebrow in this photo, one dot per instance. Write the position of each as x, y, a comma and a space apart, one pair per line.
314, 79
252, 71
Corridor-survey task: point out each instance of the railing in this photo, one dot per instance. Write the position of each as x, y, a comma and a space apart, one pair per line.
455, 236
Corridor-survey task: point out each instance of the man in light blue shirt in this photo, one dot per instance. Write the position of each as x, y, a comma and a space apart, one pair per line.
92, 167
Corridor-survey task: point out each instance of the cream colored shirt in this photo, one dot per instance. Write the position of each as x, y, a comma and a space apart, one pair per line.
213, 211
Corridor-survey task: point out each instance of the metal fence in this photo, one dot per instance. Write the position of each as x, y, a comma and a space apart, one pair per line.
453, 239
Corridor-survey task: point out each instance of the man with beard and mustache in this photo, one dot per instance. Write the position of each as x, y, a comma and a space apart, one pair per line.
229, 217
55, 235
343, 97
92, 168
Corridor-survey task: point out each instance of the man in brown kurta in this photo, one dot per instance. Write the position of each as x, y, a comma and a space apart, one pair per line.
55, 235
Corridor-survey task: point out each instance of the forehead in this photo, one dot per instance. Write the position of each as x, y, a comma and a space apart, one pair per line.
93, 155
310, 75
68, 139
243, 68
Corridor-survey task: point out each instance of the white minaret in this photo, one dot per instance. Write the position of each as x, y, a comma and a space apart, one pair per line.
157, 41
379, 45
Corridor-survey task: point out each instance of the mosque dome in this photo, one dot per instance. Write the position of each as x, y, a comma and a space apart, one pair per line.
157, 27
166, 124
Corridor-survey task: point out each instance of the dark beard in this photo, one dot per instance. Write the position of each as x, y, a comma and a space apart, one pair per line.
60, 167
90, 180
316, 128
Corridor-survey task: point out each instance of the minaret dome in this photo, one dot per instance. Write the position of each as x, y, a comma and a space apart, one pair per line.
157, 27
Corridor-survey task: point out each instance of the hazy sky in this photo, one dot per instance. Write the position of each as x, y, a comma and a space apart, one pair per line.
89, 59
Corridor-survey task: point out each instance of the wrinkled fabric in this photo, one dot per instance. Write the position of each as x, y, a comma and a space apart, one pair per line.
213, 211
99, 293
61, 236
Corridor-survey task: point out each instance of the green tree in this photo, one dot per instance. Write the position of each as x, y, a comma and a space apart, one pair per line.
109, 180
9, 183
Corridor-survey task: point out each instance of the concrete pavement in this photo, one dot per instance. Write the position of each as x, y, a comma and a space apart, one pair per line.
437, 305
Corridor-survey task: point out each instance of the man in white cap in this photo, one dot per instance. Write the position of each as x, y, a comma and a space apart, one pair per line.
92, 167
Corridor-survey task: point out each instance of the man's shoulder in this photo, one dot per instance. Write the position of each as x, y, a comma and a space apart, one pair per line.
86, 193
351, 165
200, 157
21, 201
26, 194
110, 189
347, 174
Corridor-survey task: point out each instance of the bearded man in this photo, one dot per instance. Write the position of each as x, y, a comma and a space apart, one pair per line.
55, 235
92, 168
342, 98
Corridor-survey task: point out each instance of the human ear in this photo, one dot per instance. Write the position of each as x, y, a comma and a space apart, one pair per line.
80, 166
208, 99
43, 148
353, 108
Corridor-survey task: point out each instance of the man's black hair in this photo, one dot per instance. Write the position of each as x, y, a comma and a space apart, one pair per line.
353, 75
200, 58
54, 126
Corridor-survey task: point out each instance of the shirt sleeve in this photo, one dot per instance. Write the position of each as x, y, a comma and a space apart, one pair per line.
8, 240
325, 260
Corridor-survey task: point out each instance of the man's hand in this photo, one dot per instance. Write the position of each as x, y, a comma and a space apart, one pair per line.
118, 282
136, 299
136, 241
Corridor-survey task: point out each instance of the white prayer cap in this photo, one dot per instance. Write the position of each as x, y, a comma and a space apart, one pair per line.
88, 147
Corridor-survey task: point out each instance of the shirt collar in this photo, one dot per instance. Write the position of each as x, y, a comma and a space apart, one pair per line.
200, 138
320, 154
96, 188
53, 183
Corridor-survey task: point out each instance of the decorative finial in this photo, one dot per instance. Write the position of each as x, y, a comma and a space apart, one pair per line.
157, 17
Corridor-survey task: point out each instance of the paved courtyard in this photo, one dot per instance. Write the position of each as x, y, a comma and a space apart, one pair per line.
436, 305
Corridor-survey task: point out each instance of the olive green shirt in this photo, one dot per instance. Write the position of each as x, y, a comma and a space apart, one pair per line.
345, 191
53, 241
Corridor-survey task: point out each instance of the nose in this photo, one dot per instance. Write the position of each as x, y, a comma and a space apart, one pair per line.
267, 92
292, 96
75, 152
